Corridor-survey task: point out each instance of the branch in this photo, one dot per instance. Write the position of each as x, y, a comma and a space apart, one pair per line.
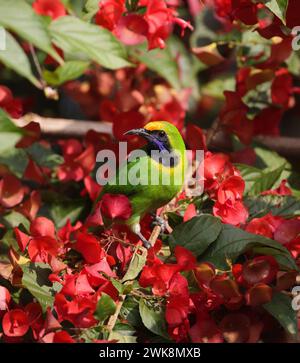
57, 127
60, 127
113, 318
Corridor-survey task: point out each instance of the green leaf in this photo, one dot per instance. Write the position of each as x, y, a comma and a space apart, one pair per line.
196, 234
281, 308
19, 17
266, 181
130, 312
122, 338
63, 209
278, 7
44, 156
15, 159
153, 320
35, 280
67, 72
250, 174
174, 219
98, 44
105, 307
15, 58
160, 61
278, 205
14, 219
91, 7
136, 265
232, 242
10, 134
124, 329
7, 241
266, 158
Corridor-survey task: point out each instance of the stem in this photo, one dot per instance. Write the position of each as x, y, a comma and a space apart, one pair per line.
113, 318
37, 65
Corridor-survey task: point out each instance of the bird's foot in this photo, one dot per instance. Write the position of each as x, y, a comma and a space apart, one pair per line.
146, 243
159, 221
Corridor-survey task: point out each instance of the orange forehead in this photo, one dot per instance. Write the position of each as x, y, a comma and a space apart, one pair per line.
155, 125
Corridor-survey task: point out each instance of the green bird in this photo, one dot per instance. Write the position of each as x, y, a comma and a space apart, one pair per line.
160, 170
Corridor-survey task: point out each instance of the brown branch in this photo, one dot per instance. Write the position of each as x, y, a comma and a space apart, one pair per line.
287, 146
60, 127
113, 318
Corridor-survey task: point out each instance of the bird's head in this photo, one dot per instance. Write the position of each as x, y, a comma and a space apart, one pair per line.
161, 136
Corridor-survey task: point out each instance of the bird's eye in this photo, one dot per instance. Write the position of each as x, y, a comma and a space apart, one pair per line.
162, 134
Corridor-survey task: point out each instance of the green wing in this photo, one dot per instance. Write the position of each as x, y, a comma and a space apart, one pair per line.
114, 186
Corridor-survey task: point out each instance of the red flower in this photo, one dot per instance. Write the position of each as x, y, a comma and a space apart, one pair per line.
234, 116
264, 226
42, 243
68, 232
190, 212
185, 259
205, 330
282, 88
22, 238
262, 269
34, 173
287, 231
11, 191
62, 337
232, 212
31, 205
195, 137
216, 167
92, 187
78, 162
132, 29
76, 285
89, 247
115, 206
52, 8
9, 104
79, 311
231, 189
110, 12
15, 323
281, 190
245, 11
155, 25
259, 294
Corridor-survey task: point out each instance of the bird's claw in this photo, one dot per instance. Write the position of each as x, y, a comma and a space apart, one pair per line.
159, 221
147, 244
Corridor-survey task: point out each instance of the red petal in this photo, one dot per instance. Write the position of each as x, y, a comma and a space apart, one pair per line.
116, 206
22, 238
89, 247
11, 191
15, 323
42, 226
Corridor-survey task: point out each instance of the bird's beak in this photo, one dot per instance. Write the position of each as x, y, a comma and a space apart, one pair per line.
140, 132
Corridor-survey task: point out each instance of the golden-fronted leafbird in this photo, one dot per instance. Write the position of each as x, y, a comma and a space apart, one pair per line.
153, 179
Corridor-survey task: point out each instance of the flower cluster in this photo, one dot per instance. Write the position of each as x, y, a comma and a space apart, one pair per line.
134, 22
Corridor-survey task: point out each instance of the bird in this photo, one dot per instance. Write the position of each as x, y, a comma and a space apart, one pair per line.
162, 165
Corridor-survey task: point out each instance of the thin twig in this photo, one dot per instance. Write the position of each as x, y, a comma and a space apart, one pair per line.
113, 318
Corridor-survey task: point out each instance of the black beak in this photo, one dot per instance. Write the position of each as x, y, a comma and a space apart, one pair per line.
140, 132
